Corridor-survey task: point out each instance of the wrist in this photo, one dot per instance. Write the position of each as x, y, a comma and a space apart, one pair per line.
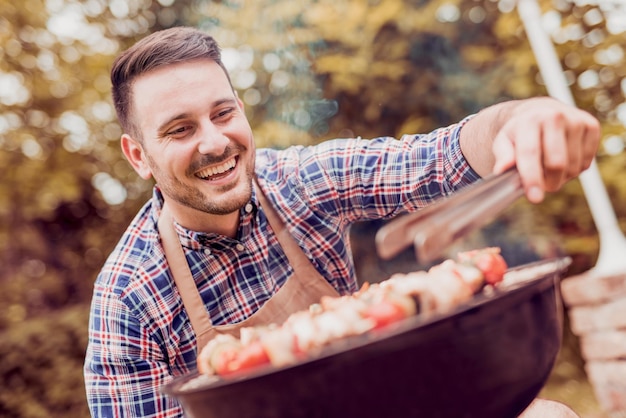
477, 136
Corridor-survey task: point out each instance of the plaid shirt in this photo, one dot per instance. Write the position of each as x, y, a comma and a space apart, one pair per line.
140, 336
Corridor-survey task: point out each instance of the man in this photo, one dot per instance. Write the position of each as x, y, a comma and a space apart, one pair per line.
232, 233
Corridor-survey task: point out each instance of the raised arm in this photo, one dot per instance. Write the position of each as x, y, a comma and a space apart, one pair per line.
549, 142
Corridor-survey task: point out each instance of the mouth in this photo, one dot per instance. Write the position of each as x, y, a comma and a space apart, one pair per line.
218, 172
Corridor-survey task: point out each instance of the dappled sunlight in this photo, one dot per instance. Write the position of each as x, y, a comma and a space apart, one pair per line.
305, 71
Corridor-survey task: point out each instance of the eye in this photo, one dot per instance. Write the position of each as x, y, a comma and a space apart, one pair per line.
225, 113
179, 132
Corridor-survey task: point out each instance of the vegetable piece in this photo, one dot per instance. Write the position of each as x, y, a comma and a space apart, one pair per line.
227, 360
384, 313
211, 358
489, 261
251, 356
279, 344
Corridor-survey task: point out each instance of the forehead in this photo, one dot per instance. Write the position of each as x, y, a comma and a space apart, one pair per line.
176, 88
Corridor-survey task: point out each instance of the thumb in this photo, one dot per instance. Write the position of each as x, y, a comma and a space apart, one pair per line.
504, 154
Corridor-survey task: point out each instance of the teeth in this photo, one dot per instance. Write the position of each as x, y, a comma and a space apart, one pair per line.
220, 169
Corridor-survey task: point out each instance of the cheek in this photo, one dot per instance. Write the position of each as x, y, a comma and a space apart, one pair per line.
177, 165
251, 144
175, 158
162, 164
249, 141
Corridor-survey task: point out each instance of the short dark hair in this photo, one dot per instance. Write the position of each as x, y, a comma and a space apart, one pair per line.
165, 47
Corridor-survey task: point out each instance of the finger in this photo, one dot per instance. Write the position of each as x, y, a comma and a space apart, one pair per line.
529, 164
556, 152
575, 146
591, 139
583, 136
504, 153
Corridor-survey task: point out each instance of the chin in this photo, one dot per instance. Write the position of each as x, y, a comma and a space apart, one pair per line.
233, 200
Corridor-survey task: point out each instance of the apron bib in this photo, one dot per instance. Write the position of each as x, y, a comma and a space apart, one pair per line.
304, 287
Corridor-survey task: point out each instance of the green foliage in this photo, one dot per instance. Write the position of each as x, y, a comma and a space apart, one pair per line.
329, 69
41, 367
58, 137
307, 71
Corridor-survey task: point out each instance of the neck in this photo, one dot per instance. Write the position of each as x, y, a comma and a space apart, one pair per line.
199, 221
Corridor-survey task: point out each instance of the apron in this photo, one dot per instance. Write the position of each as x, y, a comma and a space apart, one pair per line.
304, 287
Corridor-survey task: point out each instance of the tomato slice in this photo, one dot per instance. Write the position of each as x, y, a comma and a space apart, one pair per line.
223, 360
384, 313
251, 356
489, 261
234, 360
493, 268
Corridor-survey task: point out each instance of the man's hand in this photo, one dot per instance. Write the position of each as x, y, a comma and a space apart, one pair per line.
544, 408
548, 141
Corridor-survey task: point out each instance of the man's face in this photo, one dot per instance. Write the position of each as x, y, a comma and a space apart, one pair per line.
196, 140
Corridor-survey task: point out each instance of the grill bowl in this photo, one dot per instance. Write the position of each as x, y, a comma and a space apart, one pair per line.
487, 358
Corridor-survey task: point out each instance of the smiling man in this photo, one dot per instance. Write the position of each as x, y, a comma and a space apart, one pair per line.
199, 148
234, 236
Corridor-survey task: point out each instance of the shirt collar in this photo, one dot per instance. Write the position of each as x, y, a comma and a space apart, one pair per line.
201, 240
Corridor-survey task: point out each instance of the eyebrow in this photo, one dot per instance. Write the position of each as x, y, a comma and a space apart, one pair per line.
164, 126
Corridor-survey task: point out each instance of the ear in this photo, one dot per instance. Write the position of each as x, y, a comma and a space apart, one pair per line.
239, 101
133, 150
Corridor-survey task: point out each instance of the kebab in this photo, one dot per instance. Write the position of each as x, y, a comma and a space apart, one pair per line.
305, 333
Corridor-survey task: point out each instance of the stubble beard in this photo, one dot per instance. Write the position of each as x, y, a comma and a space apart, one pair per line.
231, 197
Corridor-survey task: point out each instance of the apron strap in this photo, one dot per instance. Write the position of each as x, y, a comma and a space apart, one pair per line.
196, 310
297, 259
304, 287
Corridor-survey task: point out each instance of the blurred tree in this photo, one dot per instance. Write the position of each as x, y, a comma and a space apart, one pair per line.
322, 69
307, 70
65, 190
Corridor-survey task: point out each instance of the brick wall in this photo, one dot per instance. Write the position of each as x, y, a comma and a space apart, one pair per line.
596, 306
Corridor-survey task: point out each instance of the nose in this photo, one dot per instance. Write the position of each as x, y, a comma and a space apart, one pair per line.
212, 140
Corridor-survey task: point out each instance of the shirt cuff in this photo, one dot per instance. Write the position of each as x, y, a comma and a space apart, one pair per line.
459, 172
